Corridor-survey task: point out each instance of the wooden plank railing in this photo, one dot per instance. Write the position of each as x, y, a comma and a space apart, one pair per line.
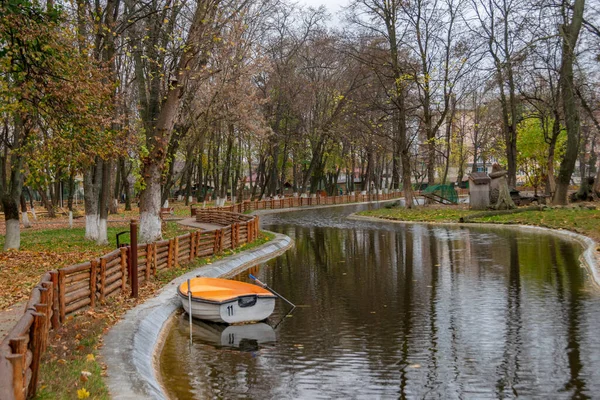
79, 287
291, 202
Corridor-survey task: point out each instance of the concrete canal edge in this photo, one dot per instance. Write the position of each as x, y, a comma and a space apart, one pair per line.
131, 347
590, 258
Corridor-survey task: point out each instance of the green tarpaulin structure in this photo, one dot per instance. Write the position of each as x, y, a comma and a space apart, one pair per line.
445, 194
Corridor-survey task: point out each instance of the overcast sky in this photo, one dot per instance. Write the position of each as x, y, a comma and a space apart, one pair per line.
332, 5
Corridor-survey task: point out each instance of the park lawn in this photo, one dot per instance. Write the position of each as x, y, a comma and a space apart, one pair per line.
420, 214
72, 363
45, 250
577, 219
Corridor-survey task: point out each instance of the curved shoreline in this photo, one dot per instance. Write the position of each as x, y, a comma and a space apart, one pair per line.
590, 258
130, 346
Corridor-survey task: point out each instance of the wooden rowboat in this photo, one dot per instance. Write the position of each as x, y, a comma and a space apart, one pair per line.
223, 300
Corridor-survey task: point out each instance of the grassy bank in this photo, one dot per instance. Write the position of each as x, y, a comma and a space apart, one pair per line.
71, 368
580, 219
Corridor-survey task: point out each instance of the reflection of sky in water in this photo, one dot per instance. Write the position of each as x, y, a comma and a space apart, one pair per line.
392, 310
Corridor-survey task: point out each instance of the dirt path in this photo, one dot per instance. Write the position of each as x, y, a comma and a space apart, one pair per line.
10, 316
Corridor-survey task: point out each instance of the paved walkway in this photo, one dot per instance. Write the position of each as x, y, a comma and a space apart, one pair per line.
199, 225
10, 316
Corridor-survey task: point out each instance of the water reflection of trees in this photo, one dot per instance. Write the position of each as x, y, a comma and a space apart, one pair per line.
426, 272
426, 310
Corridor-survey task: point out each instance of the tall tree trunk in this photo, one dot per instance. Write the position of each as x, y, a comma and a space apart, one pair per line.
46, 202
449, 126
174, 143
71, 190
115, 188
570, 34
126, 184
104, 198
92, 179
11, 216
11, 190
160, 132
24, 216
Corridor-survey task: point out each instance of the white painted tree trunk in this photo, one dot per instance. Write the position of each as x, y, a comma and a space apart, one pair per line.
150, 225
71, 219
13, 235
26, 222
102, 232
91, 227
33, 213
91, 188
150, 228
190, 199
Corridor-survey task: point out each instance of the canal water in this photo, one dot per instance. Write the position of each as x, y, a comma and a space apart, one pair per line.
390, 311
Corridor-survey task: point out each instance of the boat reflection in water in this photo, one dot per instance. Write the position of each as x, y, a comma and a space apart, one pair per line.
246, 337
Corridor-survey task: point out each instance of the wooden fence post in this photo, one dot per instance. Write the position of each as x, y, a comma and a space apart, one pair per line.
134, 258
55, 307
17, 359
93, 275
35, 339
47, 298
170, 254
45, 307
61, 295
216, 241
235, 234
148, 261
123, 268
192, 244
176, 252
102, 278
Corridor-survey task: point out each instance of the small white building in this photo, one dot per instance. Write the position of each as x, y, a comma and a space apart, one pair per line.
479, 190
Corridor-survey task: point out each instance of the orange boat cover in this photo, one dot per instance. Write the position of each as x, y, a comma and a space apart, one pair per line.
219, 290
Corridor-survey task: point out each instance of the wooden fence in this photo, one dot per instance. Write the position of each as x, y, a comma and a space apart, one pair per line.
291, 202
78, 287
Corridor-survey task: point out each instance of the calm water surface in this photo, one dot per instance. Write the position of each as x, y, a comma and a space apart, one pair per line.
403, 311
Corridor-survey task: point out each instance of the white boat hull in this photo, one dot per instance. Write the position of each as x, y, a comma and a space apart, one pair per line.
230, 312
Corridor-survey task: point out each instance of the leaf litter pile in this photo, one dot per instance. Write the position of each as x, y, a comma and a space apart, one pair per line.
42, 250
49, 245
